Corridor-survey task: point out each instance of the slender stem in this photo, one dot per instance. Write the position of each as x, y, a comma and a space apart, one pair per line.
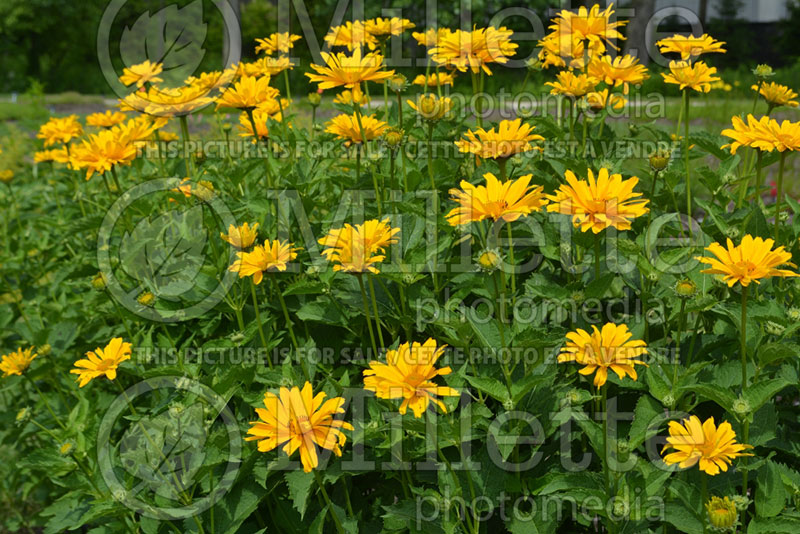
46, 403
596, 256
367, 314
288, 323
743, 338
288, 89
258, 319
116, 180
686, 159
399, 111
604, 393
375, 310
325, 496
650, 198
190, 157
378, 193
704, 499
779, 195
681, 323
513, 267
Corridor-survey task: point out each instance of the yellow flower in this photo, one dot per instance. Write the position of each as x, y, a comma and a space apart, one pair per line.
6, 176
384, 27
621, 70
474, 50
146, 298
572, 85
408, 374
434, 80
564, 52
356, 249
353, 35
341, 70
247, 93
511, 137
690, 46
300, 420
59, 155
242, 236
346, 98
60, 130
206, 81
167, 102
347, 127
272, 256
722, 513
431, 36
712, 447
101, 151
609, 348
752, 134
138, 129
598, 204
277, 42
497, 201
105, 120
16, 362
141, 74
698, 76
270, 109
102, 362
776, 94
267, 66
751, 261
489, 260
598, 100
590, 25
431, 108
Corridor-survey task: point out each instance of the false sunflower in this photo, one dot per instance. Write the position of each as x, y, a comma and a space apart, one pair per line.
272, 256
298, 419
776, 94
267, 66
102, 362
276, 43
60, 130
621, 70
752, 260
429, 107
384, 27
141, 74
593, 26
690, 46
353, 35
341, 70
101, 151
496, 200
16, 362
511, 137
105, 120
408, 374
473, 50
430, 37
247, 93
347, 127
599, 100
697, 76
347, 98
356, 249
596, 204
572, 85
713, 448
434, 80
608, 348
242, 236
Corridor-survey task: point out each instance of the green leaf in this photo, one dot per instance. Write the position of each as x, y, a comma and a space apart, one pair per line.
299, 483
760, 393
775, 352
770, 491
646, 418
774, 526
492, 387
682, 518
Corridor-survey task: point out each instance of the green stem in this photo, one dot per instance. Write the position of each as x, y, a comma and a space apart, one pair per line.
288, 89
46, 403
185, 135
681, 323
116, 180
779, 195
399, 111
325, 496
367, 314
686, 159
604, 393
258, 320
375, 310
513, 266
743, 337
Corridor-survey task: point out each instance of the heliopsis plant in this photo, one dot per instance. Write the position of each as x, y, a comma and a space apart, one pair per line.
499, 201
271, 256
241, 237
608, 349
511, 137
17, 362
357, 249
710, 447
102, 361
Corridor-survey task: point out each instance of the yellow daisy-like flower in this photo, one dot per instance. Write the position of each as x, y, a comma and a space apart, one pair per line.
496, 200
356, 249
474, 50
590, 25
60, 130
511, 137
751, 261
272, 256
621, 70
353, 35
267, 66
697, 76
270, 109
429, 107
408, 374
247, 93
434, 80
6, 175
712, 447
347, 127
609, 348
207, 81
690, 46
754, 133
102, 362
276, 43
138, 129
241, 237
776, 94
572, 85
167, 102
341, 70
141, 74
431, 36
598, 100
101, 151
16, 362
384, 27
298, 419
564, 51
347, 98
722, 513
59, 155
105, 120
598, 204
